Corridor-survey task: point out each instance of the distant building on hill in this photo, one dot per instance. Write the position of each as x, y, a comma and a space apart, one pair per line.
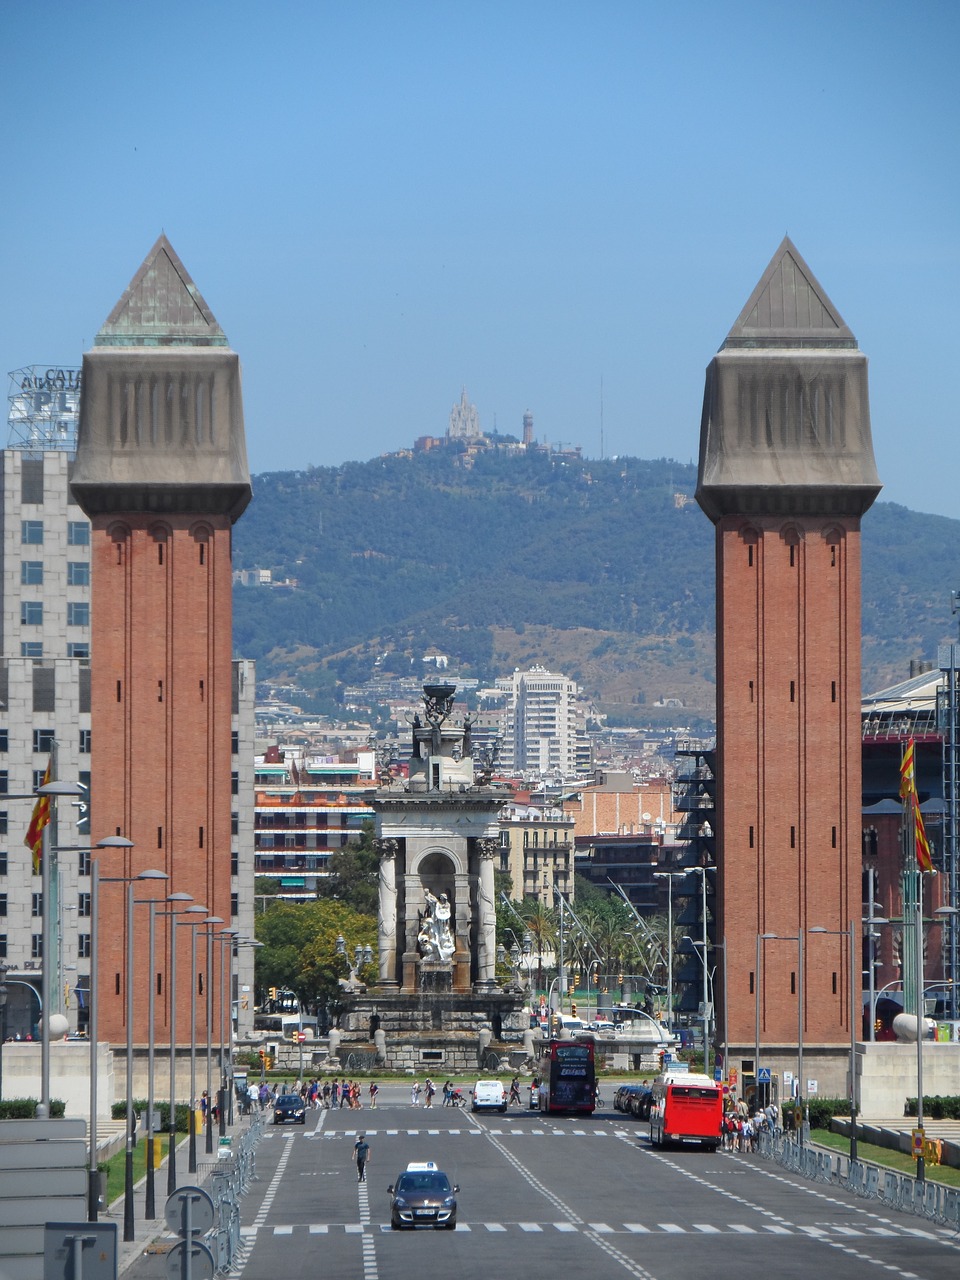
464, 420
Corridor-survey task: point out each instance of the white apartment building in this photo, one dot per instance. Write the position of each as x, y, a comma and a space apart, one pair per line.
542, 724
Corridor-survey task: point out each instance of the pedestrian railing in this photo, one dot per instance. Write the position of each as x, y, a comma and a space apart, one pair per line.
930, 1200
229, 1178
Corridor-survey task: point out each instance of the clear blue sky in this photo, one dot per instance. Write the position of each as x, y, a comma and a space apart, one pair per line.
386, 200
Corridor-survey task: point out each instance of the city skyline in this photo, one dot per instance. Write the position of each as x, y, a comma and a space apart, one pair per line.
553, 207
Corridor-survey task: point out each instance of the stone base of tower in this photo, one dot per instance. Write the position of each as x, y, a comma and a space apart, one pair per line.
826, 1069
432, 1032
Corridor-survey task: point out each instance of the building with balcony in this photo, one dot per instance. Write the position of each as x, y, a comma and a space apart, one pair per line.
305, 809
536, 849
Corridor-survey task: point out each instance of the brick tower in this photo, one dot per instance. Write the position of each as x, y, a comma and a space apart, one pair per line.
161, 471
786, 473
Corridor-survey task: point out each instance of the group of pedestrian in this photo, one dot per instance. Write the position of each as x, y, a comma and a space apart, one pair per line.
429, 1092
741, 1129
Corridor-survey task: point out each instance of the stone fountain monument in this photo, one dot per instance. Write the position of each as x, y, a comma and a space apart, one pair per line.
437, 1007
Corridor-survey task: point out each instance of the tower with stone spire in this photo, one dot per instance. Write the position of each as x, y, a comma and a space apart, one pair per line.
161, 471
786, 473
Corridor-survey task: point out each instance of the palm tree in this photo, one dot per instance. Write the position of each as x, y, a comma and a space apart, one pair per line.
542, 926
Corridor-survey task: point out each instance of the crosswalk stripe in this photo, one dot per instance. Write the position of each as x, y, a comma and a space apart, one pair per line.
706, 1228
529, 1226
601, 1228
671, 1228
637, 1228
494, 1226
319, 1229
742, 1230
283, 1231
847, 1231
464, 1226
353, 1228
777, 1231
564, 1226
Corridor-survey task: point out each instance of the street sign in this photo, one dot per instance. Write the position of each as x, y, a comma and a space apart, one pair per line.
189, 1212
763, 1075
197, 1264
301, 1036
80, 1248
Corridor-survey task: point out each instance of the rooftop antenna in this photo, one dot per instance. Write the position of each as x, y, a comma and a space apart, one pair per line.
601, 417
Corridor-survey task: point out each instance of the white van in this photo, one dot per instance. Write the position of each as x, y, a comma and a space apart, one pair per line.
569, 1025
488, 1095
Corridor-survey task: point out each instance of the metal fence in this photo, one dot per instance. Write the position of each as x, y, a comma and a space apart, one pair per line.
228, 1180
930, 1200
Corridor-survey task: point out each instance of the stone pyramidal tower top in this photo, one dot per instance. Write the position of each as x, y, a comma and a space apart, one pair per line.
161, 414
786, 419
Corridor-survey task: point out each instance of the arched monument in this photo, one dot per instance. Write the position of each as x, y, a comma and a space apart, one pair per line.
438, 838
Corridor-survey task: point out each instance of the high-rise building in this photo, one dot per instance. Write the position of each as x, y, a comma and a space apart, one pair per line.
542, 724
786, 473
44, 693
161, 472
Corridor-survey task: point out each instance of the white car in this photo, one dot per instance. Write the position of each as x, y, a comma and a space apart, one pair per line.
488, 1095
602, 1027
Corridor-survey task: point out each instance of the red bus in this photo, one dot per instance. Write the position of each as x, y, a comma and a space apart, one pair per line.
686, 1109
569, 1079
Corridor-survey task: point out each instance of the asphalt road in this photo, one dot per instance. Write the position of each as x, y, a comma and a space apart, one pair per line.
546, 1197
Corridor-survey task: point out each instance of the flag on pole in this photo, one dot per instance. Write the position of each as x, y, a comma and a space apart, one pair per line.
908, 779
41, 816
924, 858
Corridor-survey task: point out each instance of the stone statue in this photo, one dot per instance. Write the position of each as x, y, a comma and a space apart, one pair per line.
435, 939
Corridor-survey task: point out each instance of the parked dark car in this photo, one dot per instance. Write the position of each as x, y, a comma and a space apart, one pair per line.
423, 1197
621, 1099
640, 1101
289, 1109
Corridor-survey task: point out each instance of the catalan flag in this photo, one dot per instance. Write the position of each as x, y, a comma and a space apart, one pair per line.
908, 775
41, 816
924, 858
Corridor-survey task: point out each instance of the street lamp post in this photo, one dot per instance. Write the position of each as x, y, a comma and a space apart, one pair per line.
669, 876
192, 1127
850, 933
3, 1017
208, 1117
227, 940
128, 1227
150, 1210
93, 1183
798, 939
195, 911
52, 791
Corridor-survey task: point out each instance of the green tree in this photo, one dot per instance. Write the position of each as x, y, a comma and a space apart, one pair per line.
354, 874
300, 947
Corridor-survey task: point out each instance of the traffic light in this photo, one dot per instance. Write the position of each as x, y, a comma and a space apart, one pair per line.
273, 993
877, 1026
573, 1008
262, 1053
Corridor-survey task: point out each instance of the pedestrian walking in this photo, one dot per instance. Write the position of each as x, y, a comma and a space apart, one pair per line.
361, 1154
415, 1093
430, 1089
374, 1090
326, 1094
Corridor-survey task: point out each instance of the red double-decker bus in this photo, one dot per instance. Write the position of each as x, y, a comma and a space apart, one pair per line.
686, 1109
569, 1079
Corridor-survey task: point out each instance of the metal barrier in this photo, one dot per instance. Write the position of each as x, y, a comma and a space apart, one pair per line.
228, 1180
930, 1200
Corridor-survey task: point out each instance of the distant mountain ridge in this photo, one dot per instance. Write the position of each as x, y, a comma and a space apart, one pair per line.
603, 569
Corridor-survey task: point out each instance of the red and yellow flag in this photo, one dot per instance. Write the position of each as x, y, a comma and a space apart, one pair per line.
924, 858
41, 816
908, 776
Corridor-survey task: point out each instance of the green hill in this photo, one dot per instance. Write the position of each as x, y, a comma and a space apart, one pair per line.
602, 569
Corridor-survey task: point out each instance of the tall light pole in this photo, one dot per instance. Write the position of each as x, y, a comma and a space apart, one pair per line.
227, 939
93, 1182
51, 791
192, 1127
798, 939
150, 1202
128, 1227
850, 933
208, 1118
669, 876
196, 911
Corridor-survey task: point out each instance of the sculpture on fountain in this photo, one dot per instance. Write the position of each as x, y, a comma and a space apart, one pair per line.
435, 939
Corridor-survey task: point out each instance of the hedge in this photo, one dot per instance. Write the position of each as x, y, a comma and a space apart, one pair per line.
935, 1108
119, 1112
26, 1109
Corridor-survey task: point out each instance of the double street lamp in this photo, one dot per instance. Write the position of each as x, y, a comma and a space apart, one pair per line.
196, 911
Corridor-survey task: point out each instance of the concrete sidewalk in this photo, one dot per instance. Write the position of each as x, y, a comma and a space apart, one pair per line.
148, 1233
